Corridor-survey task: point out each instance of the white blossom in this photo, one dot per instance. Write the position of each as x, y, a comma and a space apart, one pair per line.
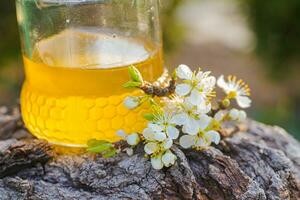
132, 139
237, 115
153, 144
186, 117
236, 89
163, 127
154, 147
190, 116
131, 102
199, 86
165, 159
203, 138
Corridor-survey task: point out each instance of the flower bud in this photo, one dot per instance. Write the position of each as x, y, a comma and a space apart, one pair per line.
226, 103
133, 139
234, 114
242, 116
131, 102
219, 116
121, 133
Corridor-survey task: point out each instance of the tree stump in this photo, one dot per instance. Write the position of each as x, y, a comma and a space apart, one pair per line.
258, 162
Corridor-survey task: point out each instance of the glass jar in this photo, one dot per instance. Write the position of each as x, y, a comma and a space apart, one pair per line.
76, 54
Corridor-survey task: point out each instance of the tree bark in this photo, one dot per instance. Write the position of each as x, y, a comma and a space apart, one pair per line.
257, 162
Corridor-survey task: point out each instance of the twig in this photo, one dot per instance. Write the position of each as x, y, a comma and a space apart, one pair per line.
159, 91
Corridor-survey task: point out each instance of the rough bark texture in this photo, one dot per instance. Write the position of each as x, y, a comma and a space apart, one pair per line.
260, 162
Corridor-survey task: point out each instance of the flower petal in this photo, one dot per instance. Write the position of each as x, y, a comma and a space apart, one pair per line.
184, 72
167, 144
200, 75
203, 108
201, 143
148, 134
219, 116
172, 132
157, 163
156, 127
182, 89
222, 83
179, 119
209, 83
187, 141
151, 148
187, 104
243, 101
196, 98
160, 136
168, 159
213, 136
204, 121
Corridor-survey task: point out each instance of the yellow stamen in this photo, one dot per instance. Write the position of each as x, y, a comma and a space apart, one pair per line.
231, 95
242, 85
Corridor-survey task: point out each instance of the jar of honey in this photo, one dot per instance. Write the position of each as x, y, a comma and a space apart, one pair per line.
76, 54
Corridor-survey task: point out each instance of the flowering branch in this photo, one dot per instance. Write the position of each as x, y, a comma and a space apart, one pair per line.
185, 115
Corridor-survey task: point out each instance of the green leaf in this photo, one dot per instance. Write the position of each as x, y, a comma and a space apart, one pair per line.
109, 153
135, 74
149, 116
174, 75
106, 148
101, 148
98, 146
132, 84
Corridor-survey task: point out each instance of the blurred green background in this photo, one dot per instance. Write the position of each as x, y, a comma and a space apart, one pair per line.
256, 40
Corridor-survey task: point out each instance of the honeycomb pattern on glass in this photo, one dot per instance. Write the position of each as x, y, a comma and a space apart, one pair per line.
51, 118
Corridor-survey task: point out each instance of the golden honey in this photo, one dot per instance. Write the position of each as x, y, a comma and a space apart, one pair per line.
73, 88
